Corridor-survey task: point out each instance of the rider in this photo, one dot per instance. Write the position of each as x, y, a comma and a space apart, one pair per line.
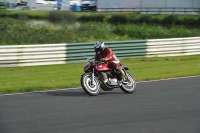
105, 54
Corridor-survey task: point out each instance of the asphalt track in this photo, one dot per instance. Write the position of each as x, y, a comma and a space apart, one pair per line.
166, 106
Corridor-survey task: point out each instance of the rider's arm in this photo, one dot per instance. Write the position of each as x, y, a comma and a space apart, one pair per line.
97, 56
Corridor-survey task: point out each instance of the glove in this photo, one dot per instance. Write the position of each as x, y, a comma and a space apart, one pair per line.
102, 60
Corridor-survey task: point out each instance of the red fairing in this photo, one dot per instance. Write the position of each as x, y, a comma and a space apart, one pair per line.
102, 67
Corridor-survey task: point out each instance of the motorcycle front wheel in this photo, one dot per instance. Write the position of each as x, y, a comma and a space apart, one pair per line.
88, 87
131, 86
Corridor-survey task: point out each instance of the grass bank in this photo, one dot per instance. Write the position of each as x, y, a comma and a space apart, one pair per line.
114, 18
75, 27
17, 32
37, 78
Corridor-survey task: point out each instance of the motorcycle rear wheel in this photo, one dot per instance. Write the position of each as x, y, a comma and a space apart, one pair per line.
92, 90
131, 86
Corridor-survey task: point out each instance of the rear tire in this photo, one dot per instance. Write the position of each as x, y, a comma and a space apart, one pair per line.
92, 90
131, 86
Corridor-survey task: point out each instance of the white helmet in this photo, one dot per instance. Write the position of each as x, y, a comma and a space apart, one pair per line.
99, 46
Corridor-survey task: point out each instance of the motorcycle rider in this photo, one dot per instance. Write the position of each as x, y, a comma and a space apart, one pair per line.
106, 55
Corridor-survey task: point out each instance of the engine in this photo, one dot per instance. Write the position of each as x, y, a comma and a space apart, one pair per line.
112, 81
109, 78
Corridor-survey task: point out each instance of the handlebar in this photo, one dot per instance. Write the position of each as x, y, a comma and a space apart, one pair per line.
99, 61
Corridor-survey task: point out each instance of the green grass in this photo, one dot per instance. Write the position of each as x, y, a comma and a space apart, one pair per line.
17, 32
35, 78
18, 28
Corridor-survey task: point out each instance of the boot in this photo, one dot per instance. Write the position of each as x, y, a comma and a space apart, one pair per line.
121, 77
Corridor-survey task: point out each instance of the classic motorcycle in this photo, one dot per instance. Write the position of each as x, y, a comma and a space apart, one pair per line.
92, 80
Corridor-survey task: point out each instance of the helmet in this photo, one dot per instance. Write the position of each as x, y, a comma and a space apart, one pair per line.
99, 46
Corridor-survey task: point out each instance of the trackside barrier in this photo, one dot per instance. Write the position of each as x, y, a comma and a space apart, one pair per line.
154, 10
31, 55
49, 54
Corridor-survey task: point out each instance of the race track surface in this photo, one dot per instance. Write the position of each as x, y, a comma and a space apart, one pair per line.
166, 106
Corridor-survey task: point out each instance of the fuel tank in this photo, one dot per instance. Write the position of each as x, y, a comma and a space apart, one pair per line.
101, 67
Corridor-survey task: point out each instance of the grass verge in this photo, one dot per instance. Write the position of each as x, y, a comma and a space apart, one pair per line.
37, 78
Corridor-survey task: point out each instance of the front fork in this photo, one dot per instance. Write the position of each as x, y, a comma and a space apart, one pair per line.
92, 77
123, 71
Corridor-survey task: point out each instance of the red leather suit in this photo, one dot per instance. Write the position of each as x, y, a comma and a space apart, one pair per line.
109, 57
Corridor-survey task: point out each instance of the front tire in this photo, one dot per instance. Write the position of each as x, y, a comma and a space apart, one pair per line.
92, 90
131, 86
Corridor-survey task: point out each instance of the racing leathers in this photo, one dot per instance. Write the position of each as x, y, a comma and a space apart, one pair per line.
108, 56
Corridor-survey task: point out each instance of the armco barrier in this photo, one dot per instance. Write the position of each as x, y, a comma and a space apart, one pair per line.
49, 54
30, 55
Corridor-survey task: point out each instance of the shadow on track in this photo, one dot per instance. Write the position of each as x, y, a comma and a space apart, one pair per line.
64, 93
76, 93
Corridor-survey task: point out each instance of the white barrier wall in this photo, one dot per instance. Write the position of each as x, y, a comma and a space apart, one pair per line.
30, 55
49, 54
173, 47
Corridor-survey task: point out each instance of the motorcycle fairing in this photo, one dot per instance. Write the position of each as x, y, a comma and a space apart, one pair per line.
102, 67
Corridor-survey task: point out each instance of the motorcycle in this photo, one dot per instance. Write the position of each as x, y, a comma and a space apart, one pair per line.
93, 80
